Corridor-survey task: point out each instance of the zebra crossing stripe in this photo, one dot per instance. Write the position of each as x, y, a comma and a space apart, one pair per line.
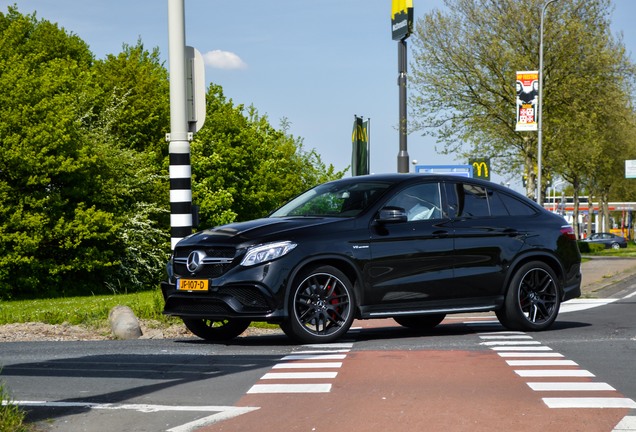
570, 386
580, 402
289, 388
554, 373
299, 375
541, 363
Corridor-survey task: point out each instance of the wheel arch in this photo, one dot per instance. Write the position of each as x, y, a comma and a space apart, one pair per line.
343, 264
545, 257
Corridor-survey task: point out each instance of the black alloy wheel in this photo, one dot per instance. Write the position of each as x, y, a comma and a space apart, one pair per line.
532, 302
216, 330
322, 305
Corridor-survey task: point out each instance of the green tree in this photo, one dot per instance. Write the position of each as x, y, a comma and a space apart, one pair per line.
243, 168
69, 189
464, 72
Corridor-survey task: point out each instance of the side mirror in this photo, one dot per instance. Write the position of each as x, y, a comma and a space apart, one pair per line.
391, 215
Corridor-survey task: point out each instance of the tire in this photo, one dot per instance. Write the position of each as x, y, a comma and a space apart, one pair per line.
216, 331
532, 301
321, 306
615, 246
420, 322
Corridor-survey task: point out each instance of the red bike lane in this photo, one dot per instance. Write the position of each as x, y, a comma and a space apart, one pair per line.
418, 390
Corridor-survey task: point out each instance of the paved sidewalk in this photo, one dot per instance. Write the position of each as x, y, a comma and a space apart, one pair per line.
607, 276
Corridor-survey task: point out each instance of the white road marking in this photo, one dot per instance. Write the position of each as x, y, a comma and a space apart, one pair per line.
529, 354
541, 363
589, 403
552, 373
628, 423
494, 343
222, 412
521, 348
583, 304
570, 386
486, 337
290, 388
307, 365
315, 357
299, 375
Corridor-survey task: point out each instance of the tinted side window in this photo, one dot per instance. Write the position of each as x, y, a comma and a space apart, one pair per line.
473, 200
515, 206
420, 201
497, 206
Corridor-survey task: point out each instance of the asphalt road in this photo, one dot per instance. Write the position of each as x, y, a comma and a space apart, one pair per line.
380, 376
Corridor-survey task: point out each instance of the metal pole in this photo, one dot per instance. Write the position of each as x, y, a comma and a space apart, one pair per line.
179, 148
540, 108
403, 155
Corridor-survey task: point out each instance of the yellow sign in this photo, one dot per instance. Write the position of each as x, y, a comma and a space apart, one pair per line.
400, 6
481, 168
401, 19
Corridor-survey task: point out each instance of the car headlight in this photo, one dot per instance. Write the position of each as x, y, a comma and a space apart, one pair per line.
267, 252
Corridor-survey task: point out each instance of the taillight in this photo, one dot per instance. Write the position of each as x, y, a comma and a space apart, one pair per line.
568, 231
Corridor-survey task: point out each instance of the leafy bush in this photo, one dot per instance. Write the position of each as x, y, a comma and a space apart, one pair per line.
587, 247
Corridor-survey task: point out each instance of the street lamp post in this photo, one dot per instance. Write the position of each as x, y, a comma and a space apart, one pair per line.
540, 110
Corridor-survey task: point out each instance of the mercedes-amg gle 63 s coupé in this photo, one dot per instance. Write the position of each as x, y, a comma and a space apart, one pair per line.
412, 247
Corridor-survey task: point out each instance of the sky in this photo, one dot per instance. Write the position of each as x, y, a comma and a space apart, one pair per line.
316, 63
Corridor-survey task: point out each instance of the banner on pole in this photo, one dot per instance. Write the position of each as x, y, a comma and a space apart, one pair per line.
360, 144
527, 100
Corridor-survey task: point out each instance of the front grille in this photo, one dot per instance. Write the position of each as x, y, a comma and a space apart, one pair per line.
250, 298
209, 271
178, 306
216, 263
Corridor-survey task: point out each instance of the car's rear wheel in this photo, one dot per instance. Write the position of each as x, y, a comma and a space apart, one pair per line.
420, 322
532, 301
616, 246
321, 306
216, 330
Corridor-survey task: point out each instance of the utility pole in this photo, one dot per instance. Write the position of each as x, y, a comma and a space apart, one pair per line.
401, 26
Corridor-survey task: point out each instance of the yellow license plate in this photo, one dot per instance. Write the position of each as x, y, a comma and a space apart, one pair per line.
193, 285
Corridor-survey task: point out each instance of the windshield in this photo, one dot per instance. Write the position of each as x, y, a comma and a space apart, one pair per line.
341, 199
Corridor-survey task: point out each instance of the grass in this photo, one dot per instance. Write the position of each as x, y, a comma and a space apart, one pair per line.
11, 416
90, 311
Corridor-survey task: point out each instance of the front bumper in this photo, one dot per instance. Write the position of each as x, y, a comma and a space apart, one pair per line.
240, 301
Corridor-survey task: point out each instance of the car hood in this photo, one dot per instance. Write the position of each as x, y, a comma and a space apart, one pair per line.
262, 229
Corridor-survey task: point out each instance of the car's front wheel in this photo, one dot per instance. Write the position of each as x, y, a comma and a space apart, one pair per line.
216, 330
321, 306
616, 246
532, 301
420, 322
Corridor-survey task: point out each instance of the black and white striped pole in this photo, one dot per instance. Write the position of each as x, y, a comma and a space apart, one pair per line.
187, 114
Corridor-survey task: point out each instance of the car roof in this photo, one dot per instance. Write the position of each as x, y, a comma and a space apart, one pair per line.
397, 178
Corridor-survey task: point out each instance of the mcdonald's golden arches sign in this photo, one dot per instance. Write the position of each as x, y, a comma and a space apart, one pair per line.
481, 168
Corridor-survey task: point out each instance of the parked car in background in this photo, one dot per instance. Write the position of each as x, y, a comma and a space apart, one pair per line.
412, 247
608, 239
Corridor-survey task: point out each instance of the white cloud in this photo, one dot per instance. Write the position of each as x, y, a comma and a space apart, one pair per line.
223, 60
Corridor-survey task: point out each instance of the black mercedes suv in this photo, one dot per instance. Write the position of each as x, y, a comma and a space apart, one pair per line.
412, 247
